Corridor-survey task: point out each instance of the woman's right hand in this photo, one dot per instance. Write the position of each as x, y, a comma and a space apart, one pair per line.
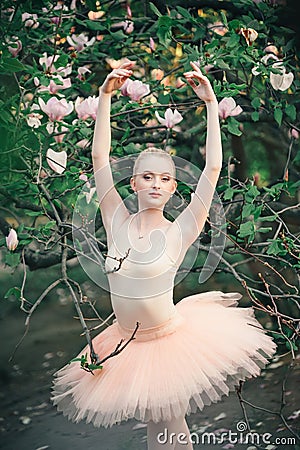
117, 78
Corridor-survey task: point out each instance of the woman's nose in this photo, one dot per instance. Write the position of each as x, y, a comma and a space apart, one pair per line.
156, 182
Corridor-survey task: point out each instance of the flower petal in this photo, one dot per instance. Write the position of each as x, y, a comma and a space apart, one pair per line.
57, 160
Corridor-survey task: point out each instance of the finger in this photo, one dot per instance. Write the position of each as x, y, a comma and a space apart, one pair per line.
127, 64
191, 82
124, 72
195, 66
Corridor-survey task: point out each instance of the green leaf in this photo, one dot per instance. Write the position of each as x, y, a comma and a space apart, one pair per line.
247, 229
264, 229
229, 193
255, 116
184, 12
95, 25
155, 10
12, 259
233, 126
290, 111
13, 291
256, 102
248, 210
278, 115
164, 33
251, 194
277, 248
10, 65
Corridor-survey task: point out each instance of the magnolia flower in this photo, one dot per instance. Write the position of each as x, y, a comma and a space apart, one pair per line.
249, 34
91, 190
228, 107
116, 63
218, 28
33, 120
82, 71
14, 46
152, 44
83, 143
171, 119
86, 108
58, 130
135, 89
281, 81
127, 25
56, 19
56, 160
80, 41
30, 20
53, 88
56, 109
294, 133
12, 240
48, 62
94, 15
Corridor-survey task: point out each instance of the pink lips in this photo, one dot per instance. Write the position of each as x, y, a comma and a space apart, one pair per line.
155, 194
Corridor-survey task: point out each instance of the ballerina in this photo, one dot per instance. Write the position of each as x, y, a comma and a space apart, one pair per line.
184, 356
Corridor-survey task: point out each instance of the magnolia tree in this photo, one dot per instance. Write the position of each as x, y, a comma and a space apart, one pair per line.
53, 59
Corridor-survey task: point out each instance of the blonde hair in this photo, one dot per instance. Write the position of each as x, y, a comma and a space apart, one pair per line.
157, 152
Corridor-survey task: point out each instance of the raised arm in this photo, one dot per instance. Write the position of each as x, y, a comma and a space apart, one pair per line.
192, 219
111, 204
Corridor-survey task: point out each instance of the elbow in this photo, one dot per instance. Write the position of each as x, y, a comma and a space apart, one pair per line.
214, 168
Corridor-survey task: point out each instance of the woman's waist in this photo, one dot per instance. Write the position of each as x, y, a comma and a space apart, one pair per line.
149, 312
165, 328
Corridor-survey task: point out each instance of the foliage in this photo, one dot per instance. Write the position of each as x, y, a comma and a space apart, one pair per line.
63, 51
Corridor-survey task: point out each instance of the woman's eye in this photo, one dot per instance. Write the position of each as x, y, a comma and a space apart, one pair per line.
147, 177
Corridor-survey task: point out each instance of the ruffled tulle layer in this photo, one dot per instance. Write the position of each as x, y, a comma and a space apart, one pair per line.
171, 370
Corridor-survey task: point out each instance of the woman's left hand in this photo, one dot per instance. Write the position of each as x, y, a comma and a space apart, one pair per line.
203, 87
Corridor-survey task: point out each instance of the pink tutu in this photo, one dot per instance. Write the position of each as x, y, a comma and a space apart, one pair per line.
168, 371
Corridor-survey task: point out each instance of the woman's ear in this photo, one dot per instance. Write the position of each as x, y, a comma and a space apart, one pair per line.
175, 186
132, 183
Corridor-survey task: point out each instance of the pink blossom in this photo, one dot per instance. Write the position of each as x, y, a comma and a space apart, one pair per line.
228, 107
116, 63
87, 108
94, 15
12, 240
127, 25
56, 160
135, 89
14, 46
281, 81
171, 119
48, 62
56, 109
249, 34
33, 120
82, 71
80, 41
30, 20
294, 133
52, 87
58, 130
83, 143
129, 13
91, 190
218, 28
152, 44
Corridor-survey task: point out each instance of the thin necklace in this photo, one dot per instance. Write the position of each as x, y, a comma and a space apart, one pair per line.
140, 235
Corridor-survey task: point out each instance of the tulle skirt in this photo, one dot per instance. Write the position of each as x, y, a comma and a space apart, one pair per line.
168, 371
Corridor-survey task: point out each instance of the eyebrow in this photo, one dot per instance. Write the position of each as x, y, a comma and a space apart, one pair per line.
160, 173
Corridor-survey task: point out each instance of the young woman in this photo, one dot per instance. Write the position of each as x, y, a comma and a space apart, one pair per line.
185, 356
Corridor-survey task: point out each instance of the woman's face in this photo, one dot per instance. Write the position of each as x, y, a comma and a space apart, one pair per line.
153, 182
